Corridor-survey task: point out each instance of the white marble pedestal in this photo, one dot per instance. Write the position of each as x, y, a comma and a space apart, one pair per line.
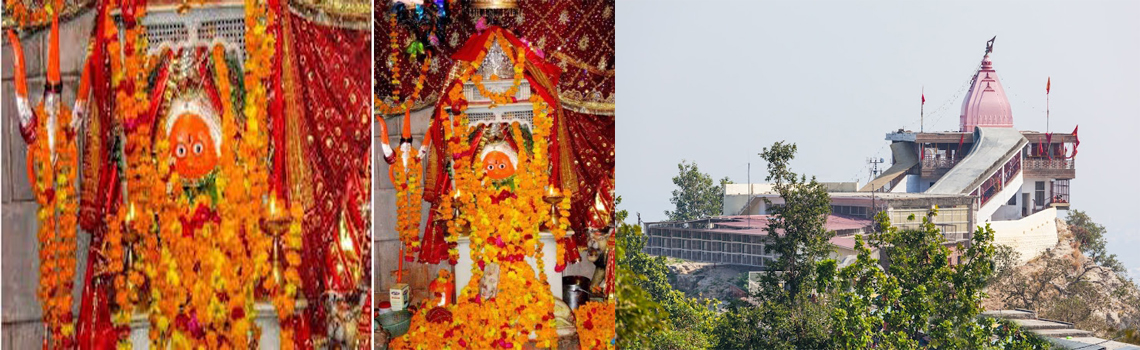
266, 319
549, 258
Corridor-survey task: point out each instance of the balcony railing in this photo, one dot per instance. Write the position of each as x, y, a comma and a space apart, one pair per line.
1055, 163
939, 163
999, 179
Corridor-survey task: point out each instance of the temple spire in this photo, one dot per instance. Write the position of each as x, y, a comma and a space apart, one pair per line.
986, 103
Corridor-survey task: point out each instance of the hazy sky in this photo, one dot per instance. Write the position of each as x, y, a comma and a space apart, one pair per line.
716, 82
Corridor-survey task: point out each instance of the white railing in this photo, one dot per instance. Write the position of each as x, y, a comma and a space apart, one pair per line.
1055, 163
938, 163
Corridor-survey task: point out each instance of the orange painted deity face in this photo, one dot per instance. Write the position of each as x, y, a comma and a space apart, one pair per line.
498, 165
192, 147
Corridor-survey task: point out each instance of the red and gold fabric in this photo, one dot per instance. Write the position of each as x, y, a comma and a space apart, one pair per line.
327, 137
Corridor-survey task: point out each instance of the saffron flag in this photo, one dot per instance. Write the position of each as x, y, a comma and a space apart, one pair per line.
924, 98
1076, 143
1048, 83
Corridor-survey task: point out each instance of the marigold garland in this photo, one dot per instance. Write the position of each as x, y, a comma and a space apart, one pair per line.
196, 281
507, 96
24, 16
505, 232
128, 77
519, 61
409, 192
54, 177
202, 281
596, 322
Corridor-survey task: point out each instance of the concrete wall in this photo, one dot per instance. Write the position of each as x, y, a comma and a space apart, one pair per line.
908, 184
1030, 187
386, 242
1007, 212
1029, 236
736, 196
733, 204
760, 188
914, 184
21, 315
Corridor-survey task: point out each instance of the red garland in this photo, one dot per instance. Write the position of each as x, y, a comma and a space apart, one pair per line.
199, 218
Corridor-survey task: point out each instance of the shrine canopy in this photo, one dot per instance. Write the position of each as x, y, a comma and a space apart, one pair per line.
542, 77
582, 147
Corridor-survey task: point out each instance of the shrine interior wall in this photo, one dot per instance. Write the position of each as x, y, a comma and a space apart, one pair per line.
385, 240
21, 315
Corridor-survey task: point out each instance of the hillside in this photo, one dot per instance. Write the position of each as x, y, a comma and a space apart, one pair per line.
1066, 285
705, 280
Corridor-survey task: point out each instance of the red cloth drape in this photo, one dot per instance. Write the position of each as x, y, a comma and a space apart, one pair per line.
334, 65
592, 147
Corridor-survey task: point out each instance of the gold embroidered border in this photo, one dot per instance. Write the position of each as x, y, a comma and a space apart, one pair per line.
588, 107
356, 15
297, 168
583, 65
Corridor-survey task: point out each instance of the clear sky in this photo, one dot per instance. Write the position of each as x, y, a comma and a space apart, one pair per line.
716, 82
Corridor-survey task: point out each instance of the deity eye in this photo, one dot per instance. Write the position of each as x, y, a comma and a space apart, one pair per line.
491, 167
502, 166
198, 148
180, 151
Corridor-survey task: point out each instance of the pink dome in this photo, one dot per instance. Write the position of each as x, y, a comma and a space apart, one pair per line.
986, 103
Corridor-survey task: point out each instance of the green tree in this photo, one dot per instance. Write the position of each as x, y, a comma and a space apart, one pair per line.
638, 315
792, 308
657, 315
697, 196
920, 300
799, 323
797, 231
1091, 237
1006, 261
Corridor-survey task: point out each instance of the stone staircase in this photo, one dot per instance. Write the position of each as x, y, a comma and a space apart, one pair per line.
1062, 334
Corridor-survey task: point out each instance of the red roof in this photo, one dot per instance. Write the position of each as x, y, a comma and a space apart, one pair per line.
847, 242
758, 224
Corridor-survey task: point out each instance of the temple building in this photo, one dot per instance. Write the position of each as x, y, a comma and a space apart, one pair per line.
1017, 180
986, 172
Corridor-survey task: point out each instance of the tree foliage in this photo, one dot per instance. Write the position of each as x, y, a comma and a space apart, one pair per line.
799, 323
697, 196
792, 307
1006, 261
657, 315
638, 315
1090, 235
797, 227
920, 300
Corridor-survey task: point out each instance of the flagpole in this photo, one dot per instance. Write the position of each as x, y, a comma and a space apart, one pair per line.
922, 112
1048, 85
